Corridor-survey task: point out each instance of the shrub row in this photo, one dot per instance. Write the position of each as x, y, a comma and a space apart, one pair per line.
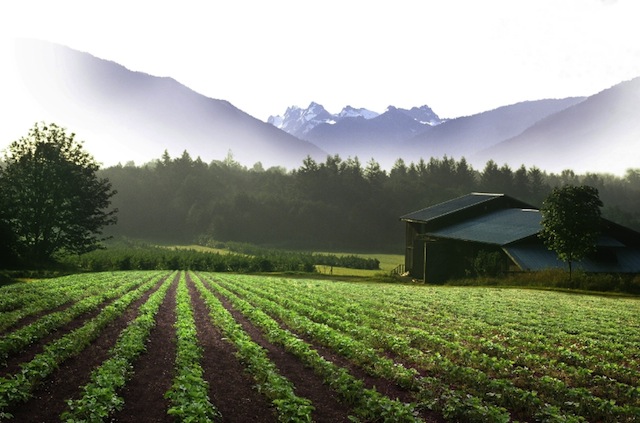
306, 258
244, 259
559, 279
155, 258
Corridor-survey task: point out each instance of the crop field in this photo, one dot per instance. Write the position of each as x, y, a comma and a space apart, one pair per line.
144, 346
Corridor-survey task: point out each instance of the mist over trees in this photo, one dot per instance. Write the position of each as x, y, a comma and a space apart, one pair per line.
335, 204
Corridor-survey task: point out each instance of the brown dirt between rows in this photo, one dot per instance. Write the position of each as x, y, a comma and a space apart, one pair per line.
307, 384
49, 399
382, 385
153, 371
27, 320
14, 360
231, 388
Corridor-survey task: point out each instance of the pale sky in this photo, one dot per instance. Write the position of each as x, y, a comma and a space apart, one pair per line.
460, 57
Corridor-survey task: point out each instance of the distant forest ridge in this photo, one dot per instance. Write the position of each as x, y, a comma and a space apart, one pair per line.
338, 204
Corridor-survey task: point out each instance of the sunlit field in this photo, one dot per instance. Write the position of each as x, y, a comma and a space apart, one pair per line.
392, 351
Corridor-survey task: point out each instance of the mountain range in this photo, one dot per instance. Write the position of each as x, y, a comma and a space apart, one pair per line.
140, 115
599, 133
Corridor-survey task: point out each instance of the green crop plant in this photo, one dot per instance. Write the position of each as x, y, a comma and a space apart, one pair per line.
100, 398
189, 393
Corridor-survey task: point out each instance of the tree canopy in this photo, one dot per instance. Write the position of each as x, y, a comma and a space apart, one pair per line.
571, 221
331, 205
51, 196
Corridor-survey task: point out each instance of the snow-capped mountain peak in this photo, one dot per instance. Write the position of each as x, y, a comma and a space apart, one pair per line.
351, 112
298, 121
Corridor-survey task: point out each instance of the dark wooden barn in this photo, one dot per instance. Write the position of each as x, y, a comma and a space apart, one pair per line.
447, 240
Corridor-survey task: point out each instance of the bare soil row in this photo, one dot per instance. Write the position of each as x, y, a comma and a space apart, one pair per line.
231, 388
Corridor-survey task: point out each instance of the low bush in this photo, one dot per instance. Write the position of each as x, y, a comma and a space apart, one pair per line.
157, 258
308, 260
559, 279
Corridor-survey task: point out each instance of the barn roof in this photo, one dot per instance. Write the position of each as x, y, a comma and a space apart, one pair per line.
449, 207
502, 221
500, 227
532, 257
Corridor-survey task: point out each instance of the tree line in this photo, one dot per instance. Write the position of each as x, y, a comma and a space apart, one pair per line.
55, 201
338, 204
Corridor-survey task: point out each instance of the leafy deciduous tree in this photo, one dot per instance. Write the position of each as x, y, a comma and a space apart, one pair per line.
571, 222
51, 197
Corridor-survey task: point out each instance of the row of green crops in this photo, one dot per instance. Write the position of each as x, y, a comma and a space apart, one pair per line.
100, 396
368, 403
26, 335
536, 355
467, 354
270, 382
21, 300
18, 387
188, 394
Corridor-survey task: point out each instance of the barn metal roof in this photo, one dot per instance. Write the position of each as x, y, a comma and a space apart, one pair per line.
499, 228
533, 257
449, 207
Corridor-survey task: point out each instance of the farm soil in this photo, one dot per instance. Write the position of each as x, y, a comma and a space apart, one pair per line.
230, 387
28, 353
308, 385
48, 400
384, 386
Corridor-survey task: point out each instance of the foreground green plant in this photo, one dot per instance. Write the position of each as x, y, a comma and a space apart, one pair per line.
368, 403
290, 407
19, 386
100, 398
189, 392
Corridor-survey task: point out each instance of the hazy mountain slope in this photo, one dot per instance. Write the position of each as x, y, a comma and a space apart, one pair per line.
418, 132
139, 115
464, 136
600, 134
